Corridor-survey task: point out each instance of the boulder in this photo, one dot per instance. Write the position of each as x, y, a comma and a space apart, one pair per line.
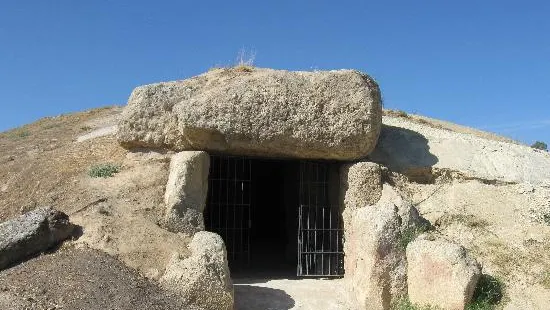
186, 192
440, 274
375, 256
203, 279
261, 112
32, 233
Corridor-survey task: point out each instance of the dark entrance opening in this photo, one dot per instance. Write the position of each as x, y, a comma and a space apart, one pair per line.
276, 217
274, 220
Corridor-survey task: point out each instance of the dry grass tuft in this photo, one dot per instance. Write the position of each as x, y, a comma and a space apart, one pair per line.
396, 113
467, 220
245, 61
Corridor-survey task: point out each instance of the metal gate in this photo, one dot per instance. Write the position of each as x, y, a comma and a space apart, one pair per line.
320, 248
228, 206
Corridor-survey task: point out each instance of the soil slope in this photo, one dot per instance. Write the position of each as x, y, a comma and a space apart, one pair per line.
80, 279
47, 163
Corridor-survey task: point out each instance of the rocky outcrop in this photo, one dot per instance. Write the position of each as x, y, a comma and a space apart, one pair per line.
440, 274
202, 279
32, 233
274, 113
407, 146
186, 191
376, 266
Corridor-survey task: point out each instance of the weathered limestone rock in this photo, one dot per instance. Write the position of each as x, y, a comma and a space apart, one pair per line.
406, 144
375, 257
186, 192
32, 233
202, 279
361, 184
441, 274
274, 113
376, 265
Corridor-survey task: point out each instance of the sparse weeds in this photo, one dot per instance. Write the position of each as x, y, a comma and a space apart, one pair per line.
467, 220
51, 125
104, 170
409, 234
541, 216
406, 304
488, 293
503, 257
545, 280
396, 113
20, 133
422, 121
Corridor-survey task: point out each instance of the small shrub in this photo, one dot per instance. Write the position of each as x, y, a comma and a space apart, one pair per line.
103, 170
546, 218
539, 145
488, 293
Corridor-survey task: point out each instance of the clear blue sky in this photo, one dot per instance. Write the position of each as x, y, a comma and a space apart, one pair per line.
484, 64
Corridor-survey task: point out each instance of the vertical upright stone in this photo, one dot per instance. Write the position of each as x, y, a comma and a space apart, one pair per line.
202, 279
186, 191
361, 184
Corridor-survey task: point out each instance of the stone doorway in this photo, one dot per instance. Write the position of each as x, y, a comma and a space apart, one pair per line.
275, 215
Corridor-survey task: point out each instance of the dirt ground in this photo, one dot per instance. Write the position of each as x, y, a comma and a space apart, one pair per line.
47, 163
80, 279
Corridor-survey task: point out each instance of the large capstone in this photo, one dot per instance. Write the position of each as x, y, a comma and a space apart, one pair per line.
258, 112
